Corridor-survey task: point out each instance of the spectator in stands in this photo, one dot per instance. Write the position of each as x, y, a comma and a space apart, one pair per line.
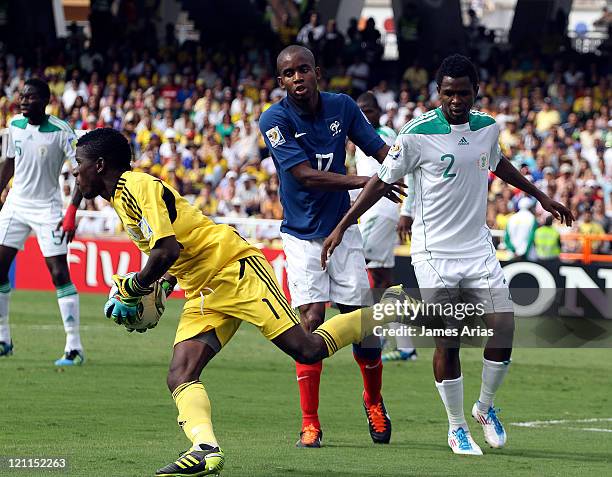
90, 225
359, 71
520, 231
546, 118
311, 34
547, 241
416, 76
332, 43
248, 195
383, 94
587, 226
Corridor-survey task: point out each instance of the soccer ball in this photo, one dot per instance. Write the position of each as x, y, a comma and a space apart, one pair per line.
150, 308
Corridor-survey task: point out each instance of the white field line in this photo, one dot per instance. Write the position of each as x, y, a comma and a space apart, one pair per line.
591, 429
543, 424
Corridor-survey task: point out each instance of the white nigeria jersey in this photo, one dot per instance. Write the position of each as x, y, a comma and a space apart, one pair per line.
39, 152
450, 165
368, 166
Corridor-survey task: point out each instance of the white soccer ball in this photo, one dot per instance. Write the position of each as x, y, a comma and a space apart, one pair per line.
150, 308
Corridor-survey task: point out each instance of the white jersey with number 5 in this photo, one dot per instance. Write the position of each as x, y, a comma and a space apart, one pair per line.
450, 165
39, 152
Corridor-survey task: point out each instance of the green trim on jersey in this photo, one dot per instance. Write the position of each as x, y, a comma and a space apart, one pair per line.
385, 131
479, 120
20, 123
55, 124
50, 124
434, 122
431, 122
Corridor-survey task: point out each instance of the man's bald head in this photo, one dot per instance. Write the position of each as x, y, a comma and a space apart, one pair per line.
294, 50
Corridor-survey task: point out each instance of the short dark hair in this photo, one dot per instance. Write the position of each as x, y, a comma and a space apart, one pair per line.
109, 144
457, 66
41, 86
368, 99
292, 50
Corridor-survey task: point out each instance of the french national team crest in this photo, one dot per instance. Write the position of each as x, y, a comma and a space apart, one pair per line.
335, 127
483, 161
275, 137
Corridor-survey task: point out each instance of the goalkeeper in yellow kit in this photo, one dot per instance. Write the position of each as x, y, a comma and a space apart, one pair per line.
226, 281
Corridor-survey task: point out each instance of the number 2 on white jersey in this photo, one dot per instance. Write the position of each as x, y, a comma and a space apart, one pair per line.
321, 157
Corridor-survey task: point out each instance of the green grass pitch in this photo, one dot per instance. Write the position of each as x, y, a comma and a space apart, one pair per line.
114, 416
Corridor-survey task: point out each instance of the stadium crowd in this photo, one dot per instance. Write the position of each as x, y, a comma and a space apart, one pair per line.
191, 115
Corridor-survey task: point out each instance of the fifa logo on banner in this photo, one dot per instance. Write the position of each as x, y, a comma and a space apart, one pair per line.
335, 128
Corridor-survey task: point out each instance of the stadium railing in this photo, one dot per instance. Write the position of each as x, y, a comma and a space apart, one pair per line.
586, 255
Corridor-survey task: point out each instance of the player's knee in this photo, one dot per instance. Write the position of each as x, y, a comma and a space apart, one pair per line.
309, 353
504, 324
59, 275
311, 321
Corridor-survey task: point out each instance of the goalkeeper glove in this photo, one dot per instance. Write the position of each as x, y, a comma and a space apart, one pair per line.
122, 307
166, 286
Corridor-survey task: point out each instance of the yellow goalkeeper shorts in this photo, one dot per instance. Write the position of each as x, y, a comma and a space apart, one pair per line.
244, 290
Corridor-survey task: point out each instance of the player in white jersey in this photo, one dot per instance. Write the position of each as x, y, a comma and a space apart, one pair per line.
450, 150
38, 146
379, 225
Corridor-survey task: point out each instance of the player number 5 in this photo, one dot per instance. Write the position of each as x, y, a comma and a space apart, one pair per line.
324, 166
447, 172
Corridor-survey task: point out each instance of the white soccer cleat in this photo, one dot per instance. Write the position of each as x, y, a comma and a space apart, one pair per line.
461, 442
494, 431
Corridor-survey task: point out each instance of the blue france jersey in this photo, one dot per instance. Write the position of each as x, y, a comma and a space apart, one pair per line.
293, 136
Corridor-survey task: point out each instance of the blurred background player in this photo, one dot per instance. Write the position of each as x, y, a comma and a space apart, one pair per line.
306, 135
450, 150
38, 146
379, 225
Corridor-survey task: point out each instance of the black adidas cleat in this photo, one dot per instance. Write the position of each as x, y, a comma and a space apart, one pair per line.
378, 422
195, 463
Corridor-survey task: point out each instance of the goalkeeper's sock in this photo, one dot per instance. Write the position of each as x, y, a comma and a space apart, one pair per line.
68, 301
5, 298
347, 328
194, 413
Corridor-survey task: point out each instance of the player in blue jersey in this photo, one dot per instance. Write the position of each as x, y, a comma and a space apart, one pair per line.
306, 134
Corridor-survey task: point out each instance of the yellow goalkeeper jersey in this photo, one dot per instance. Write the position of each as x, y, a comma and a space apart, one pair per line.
150, 210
